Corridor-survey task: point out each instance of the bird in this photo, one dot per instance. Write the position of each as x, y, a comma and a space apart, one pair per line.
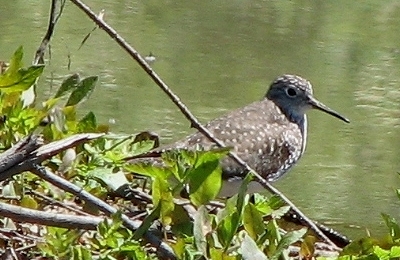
270, 135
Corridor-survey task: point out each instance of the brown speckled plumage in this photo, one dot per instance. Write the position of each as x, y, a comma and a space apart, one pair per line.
264, 140
269, 135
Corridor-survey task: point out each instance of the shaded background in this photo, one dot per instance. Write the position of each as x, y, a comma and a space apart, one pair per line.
221, 56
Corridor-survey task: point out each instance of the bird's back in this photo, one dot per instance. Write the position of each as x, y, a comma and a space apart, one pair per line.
258, 133
269, 135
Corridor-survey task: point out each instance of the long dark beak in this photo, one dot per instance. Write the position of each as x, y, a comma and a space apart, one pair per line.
318, 105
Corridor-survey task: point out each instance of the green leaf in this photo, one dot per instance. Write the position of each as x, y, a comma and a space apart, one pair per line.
82, 91
68, 84
395, 251
113, 181
87, 123
253, 221
250, 251
288, 239
81, 253
133, 250
381, 253
142, 143
201, 228
242, 193
230, 207
140, 147
162, 196
48, 104
273, 235
179, 247
16, 60
182, 221
205, 187
205, 179
217, 253
363, 246
148, 170
16, 78
181, 162
227, 229
391, 223
273, 206
147, 222
392, 253
307, 247
29, 202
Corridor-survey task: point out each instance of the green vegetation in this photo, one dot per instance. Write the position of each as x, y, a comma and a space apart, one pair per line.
244, 227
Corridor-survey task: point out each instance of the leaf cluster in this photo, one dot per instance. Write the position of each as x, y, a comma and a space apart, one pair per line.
177, 193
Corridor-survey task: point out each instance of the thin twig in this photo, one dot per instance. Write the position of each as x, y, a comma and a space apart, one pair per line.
50, 30
56, 202
21, 214
22, 237
185, 111
163, 248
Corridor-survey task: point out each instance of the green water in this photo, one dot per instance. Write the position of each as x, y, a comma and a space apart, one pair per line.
221, 56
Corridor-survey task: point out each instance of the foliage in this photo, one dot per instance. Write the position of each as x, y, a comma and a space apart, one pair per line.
110, 241
369, 248
99, 168
239, 227
90, 166
19, 120
244, 227
16, 78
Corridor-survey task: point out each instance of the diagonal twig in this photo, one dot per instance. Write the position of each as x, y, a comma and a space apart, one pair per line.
163, 248
185, 111
28, 154
50, 30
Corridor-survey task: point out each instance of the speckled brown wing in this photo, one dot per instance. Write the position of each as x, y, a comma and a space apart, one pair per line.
264, 139
270, 135
258, 133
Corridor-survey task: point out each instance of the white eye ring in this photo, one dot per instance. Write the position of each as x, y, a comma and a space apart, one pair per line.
291, 92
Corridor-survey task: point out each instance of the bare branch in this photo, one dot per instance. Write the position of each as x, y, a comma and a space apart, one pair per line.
29, 151
48, 218
19, 151
50, 30
185, 111
63, 184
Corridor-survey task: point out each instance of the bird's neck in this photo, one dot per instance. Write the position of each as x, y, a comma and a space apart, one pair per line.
299, 119
295, 114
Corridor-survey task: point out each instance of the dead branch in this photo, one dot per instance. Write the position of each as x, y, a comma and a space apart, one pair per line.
61, 183
185, 111
50, 30
18, 153
21, 214
27, 155
28, 152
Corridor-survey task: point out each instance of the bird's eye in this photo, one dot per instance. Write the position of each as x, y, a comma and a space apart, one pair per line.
291, 92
